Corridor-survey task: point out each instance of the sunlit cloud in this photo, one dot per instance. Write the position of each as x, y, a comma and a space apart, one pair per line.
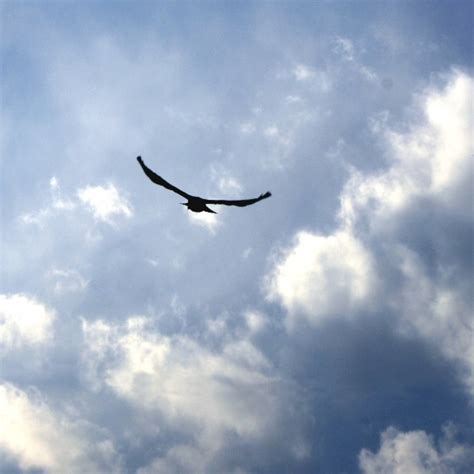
24, 321
417, 452
204, 393
323, 276
336, 275
105, 202
36, 437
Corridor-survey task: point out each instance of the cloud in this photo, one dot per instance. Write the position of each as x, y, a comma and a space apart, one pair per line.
56, 205
322, 276
429, 181
303, 72
255, 321
105, 202
67, 280
211, 222
415, 452
35, 437
345, 48
226, 182
24, 321
210, 396
433, 160
214, 391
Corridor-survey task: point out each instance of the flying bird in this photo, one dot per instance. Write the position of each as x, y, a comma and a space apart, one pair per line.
196, 203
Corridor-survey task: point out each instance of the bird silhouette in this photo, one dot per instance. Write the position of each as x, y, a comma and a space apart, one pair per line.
196, 203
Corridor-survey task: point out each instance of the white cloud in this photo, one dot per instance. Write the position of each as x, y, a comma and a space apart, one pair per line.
229, 185
35, 437
53, 183
67, 280
303, 72
226, 182
322, 276
278, 137
433, 160
209, 221
344, 47
334, 275
436, 311
293, 99
255, 321
415, 452
272, 131
57, 204
105, 202
208, 395
199, 389
24, 321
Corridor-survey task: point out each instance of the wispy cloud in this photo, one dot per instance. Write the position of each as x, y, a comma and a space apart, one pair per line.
67, 280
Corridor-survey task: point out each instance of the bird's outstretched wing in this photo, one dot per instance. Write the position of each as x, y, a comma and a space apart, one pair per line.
159, 180
241, 202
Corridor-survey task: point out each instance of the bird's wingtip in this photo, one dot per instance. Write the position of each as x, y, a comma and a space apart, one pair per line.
267, 194
139, 159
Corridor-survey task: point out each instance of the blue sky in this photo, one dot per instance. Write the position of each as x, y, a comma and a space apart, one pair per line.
326, 329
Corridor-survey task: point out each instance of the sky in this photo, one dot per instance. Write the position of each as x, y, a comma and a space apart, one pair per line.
327, 329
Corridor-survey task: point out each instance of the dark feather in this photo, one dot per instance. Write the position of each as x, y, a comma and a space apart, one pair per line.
195, 203
240, 203
160, 181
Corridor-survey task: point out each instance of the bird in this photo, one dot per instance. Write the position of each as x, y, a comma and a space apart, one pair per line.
196, 203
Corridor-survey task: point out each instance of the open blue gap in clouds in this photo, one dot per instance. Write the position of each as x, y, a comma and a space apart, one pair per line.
164, 352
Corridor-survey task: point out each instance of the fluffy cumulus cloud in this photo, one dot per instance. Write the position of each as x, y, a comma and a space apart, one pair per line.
322, 276
105, 202
34, 436
24, 321
229, 390
432, 161
429, 180
206, 394
416, 452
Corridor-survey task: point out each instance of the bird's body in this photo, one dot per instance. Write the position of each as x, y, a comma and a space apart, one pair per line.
196, 203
